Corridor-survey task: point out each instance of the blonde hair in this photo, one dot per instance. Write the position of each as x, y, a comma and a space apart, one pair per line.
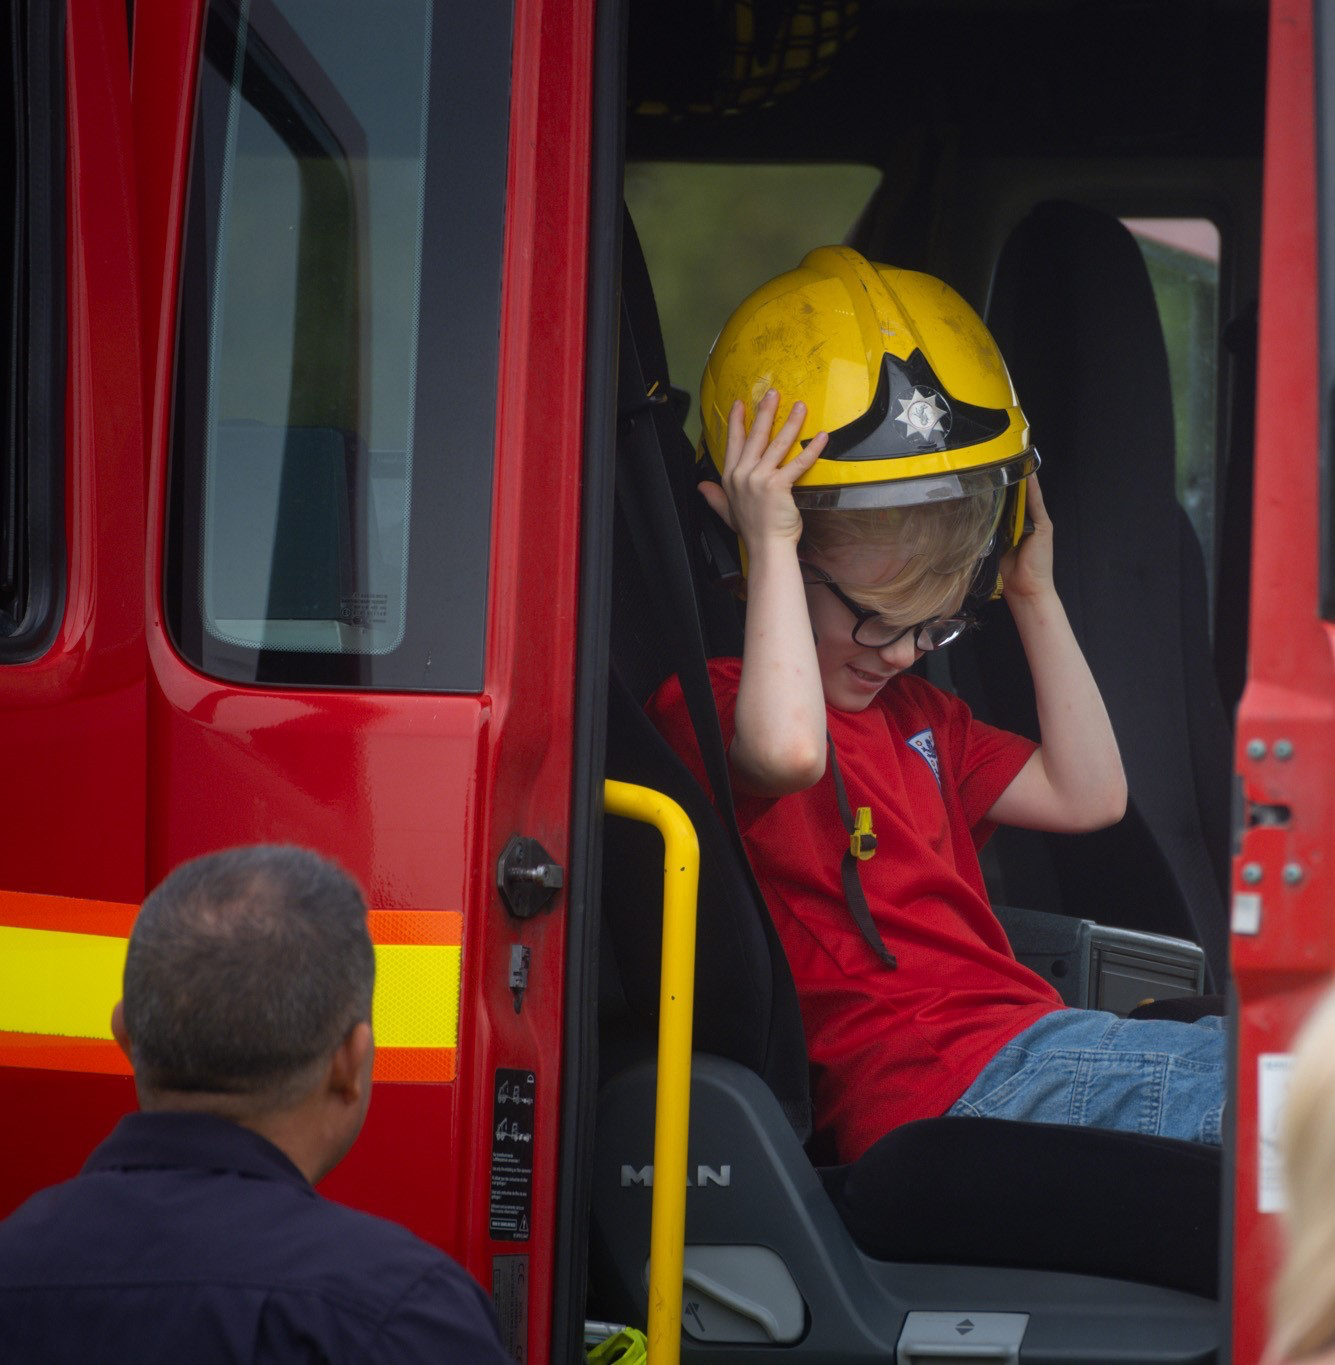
942, 542
1303, 1300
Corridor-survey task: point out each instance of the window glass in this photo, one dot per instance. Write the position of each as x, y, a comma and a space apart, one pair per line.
319, 535
1183, 259
704, 261
32, 249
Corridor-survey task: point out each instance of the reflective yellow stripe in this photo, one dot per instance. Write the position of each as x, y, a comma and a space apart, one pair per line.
59, 983
416, 995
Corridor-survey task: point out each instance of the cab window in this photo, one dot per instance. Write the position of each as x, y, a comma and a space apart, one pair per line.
336, 362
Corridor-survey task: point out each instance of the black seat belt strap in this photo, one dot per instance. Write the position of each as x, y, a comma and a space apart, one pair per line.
861, 845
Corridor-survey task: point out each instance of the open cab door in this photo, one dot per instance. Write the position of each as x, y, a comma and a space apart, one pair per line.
364, 520
1283, 916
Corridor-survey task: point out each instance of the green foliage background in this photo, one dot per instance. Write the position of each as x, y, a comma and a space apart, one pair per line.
1186, 288
712, 234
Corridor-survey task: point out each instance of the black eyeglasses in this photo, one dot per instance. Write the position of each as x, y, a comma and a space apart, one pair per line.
870, 628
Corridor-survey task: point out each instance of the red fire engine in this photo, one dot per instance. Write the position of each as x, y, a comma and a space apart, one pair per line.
333, 365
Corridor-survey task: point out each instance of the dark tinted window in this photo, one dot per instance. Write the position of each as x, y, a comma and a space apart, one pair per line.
336, 365
32, 344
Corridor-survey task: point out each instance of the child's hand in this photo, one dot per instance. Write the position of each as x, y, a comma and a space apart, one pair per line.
756, 495
1027, 570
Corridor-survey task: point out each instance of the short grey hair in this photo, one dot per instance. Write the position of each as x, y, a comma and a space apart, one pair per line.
246, 968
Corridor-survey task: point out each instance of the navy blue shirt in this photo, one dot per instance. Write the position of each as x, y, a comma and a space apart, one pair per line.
189, 1238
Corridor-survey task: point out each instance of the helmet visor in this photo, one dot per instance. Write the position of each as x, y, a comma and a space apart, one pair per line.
964, 483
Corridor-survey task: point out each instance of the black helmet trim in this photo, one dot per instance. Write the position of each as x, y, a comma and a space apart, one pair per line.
965, 483
911, 414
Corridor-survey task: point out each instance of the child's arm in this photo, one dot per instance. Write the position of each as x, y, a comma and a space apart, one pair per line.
1075, 780
779, 741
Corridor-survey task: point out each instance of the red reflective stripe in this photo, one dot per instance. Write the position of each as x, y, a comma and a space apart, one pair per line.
430, 927
66, 914
114, 919
43, 1052
416, 1064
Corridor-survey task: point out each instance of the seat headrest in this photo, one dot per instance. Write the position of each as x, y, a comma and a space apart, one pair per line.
1073, 309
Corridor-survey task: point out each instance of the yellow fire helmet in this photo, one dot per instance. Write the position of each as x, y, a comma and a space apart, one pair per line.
896, 367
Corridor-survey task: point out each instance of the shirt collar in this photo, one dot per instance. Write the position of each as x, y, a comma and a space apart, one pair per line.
166, 1140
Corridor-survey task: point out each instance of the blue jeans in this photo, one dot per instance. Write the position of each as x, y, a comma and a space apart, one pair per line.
1087, 1067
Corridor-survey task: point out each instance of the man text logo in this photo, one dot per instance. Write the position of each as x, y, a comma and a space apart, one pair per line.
704, 1175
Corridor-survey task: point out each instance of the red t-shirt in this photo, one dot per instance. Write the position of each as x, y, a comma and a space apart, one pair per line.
887, 1046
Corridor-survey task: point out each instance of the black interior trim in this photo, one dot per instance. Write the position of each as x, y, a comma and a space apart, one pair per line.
579, 1075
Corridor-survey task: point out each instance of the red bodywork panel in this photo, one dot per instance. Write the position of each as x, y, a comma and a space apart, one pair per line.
1290, 696
415, 794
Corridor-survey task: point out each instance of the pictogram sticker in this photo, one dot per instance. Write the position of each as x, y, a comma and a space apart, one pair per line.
512, 1154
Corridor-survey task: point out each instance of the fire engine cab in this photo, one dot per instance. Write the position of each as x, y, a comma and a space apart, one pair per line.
348, 500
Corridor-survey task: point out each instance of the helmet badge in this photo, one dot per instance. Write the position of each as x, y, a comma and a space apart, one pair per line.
923, 414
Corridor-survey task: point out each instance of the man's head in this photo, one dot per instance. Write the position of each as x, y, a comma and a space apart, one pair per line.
879, 571
247, 970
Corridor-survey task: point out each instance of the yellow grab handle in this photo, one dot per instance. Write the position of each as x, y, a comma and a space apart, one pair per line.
681, 883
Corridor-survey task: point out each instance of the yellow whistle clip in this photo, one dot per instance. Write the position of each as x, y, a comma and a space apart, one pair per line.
862, 841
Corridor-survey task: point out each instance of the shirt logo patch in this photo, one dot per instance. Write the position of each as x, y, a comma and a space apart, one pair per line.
924, 742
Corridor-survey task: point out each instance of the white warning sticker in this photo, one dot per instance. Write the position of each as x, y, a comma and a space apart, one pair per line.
1272, 1092
1246, 918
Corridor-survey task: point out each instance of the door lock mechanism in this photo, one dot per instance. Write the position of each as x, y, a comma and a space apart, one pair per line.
527, 876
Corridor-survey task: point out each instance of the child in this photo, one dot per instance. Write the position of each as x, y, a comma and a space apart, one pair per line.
912, 1001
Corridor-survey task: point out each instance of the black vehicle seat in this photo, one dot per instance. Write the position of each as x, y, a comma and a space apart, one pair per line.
1073, 311
949, 1192
661, 611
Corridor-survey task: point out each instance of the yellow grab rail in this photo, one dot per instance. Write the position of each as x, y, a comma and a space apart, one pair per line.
681, 881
